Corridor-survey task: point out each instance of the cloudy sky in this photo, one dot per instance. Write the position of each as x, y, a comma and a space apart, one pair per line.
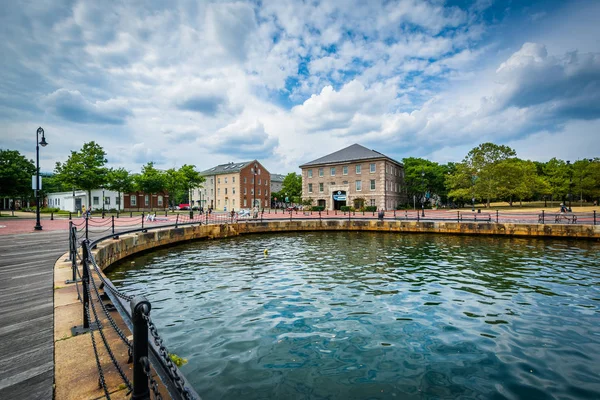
286, 82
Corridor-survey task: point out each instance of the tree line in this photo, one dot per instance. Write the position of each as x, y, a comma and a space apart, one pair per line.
492, 173
86, 170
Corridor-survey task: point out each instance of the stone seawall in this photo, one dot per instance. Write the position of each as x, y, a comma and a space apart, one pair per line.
111, 251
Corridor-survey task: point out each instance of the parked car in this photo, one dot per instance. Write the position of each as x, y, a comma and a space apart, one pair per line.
184, 206
292, 208
243, 213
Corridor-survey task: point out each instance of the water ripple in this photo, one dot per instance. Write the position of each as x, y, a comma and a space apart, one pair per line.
354, 315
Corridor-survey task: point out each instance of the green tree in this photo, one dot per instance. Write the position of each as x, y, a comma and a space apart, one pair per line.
121, 181
425, 179
518, 179
459, 183
150, 181
174, 185
292, 185
15, 174
84, 169
557, 176
190, 178
486, 170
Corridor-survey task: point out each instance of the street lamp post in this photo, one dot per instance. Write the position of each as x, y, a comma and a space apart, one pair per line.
570, 182
424, 194
38, 226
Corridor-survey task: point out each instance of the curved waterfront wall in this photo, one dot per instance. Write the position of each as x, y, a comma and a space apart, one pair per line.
111, 251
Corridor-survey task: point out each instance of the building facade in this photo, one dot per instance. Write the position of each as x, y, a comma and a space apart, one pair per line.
277, 182
354, 176
74, 200
140, 201
234, 186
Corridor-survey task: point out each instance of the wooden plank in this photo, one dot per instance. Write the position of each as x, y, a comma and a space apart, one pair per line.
27, 313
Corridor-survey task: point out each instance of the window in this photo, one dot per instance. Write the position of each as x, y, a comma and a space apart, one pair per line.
358, 169
266, 182
345, 170
259, 181
219, 191
211, 181
245, 180
372, 167
266, 192
259, 191
310, 173
212, 191
225, 179
358, 186
310, 188
259, 171
133, 200
321, 187
320, 171
118, 201
233, 190
245, 191
160, 201
252, 181
147, 200
332, 171
332, 183
252, 192
225, 190
372, 184
96, 200
218, 180
219, 202
245, 203
233, 179
344, 182
372, 202
107, 201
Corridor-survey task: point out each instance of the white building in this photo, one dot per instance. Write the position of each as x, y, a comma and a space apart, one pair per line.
74, 200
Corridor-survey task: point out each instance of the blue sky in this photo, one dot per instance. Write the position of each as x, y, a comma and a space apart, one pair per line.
286, 82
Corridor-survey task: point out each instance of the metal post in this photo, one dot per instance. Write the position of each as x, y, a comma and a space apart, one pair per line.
142, 220
206, 214
594, 217
71, 240
176, 220
418, 216
113, 225
498, 213
319, 215
70, 216
85, 280
74, 257
543, 217
140, 308
458, 216
87, 219
130, 214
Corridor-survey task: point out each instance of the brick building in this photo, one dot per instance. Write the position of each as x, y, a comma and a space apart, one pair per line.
352, 176
138, 201
231, 186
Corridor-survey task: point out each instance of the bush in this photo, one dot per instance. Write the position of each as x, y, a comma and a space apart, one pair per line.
195, 208
370, 208
112, 211
317, 208
48, 210
347, 208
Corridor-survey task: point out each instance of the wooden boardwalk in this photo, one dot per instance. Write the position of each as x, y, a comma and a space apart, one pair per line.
27, 313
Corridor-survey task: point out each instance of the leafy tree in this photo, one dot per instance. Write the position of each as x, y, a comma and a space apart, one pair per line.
190, 178
151, 180
460, 183
425, 179
84, 169
292, 185
174, 185
557, 176
119, 180
15, 174
484, 164
518, 179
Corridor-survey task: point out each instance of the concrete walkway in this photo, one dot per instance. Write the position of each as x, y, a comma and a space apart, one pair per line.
26, 313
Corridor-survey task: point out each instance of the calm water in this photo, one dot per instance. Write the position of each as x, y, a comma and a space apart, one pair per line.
377, 316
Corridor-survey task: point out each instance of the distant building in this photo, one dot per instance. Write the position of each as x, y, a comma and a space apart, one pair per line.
74, 200
352, 176
140, 201
277, 182
231, 187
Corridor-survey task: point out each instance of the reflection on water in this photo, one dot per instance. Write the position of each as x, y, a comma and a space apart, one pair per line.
351, 315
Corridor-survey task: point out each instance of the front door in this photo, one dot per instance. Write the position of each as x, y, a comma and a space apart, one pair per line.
77, 204
339, 199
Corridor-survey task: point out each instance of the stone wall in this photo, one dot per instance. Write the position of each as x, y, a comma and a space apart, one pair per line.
111, 251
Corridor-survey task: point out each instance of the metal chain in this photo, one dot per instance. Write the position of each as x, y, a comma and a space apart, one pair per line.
164, 354
108, 316
108, 349
107, 285
153, 385
100, 372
